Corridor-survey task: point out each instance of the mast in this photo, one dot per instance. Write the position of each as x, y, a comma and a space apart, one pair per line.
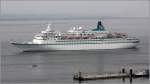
48, 27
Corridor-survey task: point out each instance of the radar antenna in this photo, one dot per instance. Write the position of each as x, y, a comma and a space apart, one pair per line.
48, 27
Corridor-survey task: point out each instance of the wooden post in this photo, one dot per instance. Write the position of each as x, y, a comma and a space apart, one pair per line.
147, 73
80, 76
123, 70
131, 75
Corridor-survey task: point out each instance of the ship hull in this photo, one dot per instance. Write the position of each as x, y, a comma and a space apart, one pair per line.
49, 47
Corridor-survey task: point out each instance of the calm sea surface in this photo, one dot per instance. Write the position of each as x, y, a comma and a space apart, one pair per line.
59, 66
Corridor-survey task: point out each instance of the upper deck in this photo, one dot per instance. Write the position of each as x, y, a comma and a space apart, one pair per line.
78, 33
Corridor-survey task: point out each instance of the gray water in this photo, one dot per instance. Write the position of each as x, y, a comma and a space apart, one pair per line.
59, 66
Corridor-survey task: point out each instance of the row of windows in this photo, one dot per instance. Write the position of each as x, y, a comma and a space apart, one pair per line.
90, 40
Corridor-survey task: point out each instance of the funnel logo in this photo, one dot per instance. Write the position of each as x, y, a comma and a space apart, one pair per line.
100, 27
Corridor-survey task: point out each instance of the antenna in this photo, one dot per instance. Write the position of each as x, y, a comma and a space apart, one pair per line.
48, 27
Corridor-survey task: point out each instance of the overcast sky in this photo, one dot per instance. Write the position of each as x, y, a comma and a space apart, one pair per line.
113, 8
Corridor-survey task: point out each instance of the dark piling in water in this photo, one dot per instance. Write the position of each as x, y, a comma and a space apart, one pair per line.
80, 76
131, 75
123, 70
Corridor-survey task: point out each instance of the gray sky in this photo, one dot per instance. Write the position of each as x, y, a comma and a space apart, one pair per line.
113, 8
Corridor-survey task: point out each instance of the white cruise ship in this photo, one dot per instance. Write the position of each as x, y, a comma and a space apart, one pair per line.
78, 39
